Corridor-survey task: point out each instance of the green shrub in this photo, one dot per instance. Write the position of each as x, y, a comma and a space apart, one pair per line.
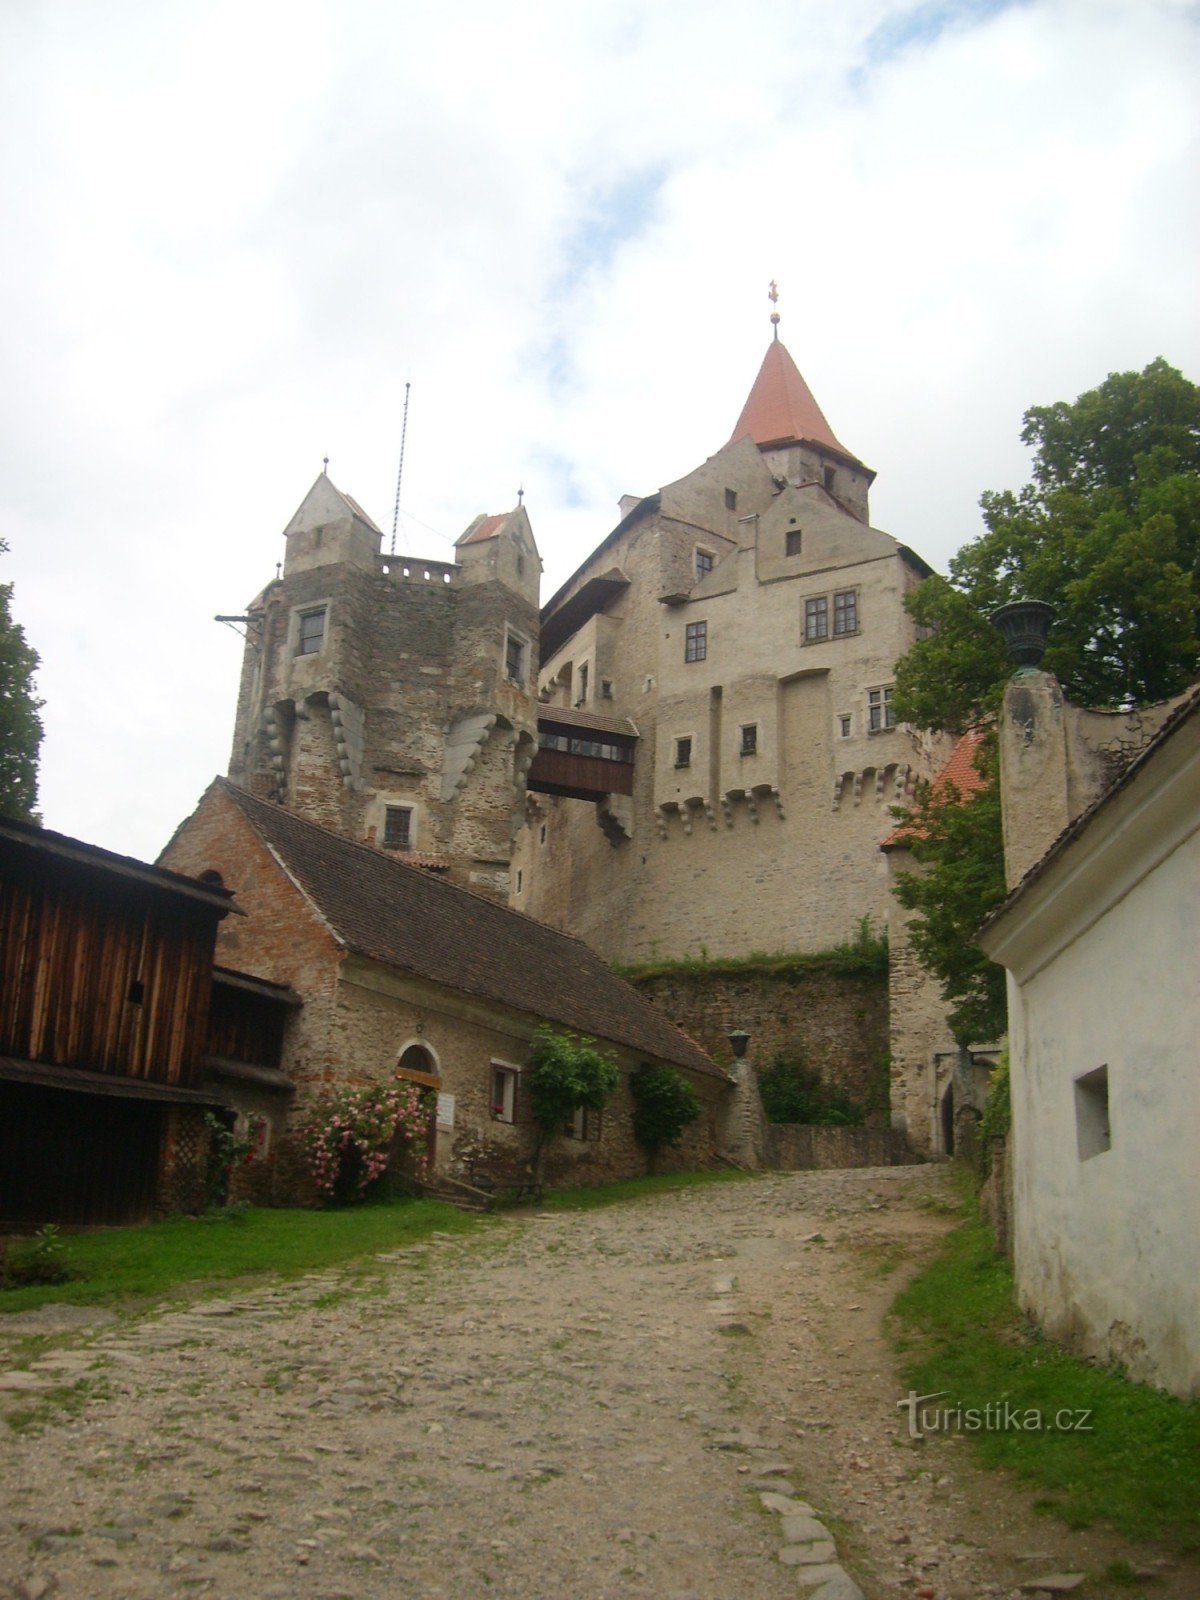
792, 1092
42, 1259
664, 1104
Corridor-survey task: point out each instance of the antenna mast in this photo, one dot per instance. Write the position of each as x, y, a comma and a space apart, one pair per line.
400, 469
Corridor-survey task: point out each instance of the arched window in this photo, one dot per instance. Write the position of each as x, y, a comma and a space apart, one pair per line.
419, 1064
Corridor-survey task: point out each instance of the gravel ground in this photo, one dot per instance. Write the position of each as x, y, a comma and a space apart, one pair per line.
574, 1406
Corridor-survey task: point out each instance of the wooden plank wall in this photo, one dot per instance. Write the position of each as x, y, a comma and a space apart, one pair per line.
245, 1027
103, 974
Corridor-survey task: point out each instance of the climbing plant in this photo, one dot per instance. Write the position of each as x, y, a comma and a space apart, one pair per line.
565, 1073
664, 1104
793, 1092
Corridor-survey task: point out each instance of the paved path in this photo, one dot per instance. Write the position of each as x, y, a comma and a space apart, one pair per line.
669, 1398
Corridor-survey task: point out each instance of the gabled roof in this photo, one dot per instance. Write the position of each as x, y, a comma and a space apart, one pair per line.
378, 906
43, 843
483, 528
781, 408
323, 500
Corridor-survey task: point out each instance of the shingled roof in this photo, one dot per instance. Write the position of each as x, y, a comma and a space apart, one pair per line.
378, 906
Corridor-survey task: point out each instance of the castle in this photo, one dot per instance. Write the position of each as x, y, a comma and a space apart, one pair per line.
712, 755
692, 749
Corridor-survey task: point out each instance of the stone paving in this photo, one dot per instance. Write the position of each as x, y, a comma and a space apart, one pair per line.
584, 1406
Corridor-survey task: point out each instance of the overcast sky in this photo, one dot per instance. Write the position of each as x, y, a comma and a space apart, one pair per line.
234, 230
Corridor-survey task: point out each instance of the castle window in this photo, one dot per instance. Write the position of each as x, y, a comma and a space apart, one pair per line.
514, 659
542, 835
880, 715
520, 880
683, 752
792, 542
846, 725
845, 613
504, 1093
310, 632
816, 619
397, 828
582, 680
829, 480
749, 744
696, 641
606, 689
731, 499
584, 1123
704, 563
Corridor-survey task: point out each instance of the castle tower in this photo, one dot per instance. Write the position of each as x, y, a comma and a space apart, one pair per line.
391, 698
744, 622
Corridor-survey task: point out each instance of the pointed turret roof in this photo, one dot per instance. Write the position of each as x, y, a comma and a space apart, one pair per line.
781, 409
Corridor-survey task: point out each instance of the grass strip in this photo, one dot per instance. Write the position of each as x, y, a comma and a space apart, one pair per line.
959, 1334
155, 1258
593, 1196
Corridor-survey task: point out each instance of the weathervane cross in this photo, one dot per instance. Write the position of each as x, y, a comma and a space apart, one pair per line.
773, 297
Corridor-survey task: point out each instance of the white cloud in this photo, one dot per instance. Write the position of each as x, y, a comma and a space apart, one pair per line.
235, 230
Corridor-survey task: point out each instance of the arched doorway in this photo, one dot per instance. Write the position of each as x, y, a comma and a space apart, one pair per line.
418, 1064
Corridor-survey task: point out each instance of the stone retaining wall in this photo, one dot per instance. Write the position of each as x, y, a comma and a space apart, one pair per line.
799, 1147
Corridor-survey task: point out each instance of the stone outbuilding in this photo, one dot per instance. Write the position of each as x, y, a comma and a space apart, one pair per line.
405, 975
1100, 935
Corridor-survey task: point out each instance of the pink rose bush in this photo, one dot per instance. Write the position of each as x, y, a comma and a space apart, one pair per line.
353, 1132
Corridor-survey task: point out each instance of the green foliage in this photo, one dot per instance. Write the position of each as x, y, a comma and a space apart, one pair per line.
20, 724
793, 1092
158, 1258
959, 844
352, 1133
1108, 532
863, 955
41, 1259
566, 1072
960, 1336
664, 1104
996, 1121
226, 1149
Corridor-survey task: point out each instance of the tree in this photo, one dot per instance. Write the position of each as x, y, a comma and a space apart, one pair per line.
20, 725
1107, 531
664, 1104
566, 1073
957, 840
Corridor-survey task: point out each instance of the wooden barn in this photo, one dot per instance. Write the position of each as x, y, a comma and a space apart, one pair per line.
106, 978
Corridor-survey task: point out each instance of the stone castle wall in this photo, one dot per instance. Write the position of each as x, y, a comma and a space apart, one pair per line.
835, 1024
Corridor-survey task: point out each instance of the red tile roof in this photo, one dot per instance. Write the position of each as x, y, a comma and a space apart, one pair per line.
959, 773
486, 528
781, 407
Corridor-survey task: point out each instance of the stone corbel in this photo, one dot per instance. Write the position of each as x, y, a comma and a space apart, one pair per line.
858, 783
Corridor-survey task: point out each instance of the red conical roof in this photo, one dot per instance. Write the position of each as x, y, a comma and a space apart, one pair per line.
780, 408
